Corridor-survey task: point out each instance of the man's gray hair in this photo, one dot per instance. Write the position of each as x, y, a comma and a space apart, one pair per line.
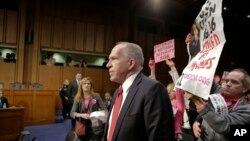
134, 51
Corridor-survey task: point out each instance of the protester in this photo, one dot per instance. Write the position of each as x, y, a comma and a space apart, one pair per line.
233, 109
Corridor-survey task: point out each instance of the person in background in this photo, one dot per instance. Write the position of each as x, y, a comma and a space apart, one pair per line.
83, 63
65, 99
151, 65
49, 60
141, 109
85, 102
107, 99
217, 79
69, 62
13, 58
215, 124
3, 101
1, 57
72, 90
193, 41
7, 58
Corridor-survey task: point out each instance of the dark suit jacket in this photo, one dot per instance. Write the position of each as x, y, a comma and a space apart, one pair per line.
146, 114
72, 89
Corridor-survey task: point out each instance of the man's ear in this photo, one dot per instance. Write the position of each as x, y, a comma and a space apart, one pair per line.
131, 64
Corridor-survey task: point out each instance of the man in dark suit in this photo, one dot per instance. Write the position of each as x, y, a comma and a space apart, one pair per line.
72, 90
145, 113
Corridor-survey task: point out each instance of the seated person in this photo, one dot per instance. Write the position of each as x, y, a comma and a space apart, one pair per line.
3, 100
69, 62
50, 61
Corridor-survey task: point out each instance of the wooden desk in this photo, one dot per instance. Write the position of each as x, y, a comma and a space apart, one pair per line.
11, 123
39, 105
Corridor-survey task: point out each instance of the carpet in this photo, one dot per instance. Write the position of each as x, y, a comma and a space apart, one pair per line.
50, 132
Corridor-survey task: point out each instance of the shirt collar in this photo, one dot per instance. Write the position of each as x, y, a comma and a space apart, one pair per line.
128, 82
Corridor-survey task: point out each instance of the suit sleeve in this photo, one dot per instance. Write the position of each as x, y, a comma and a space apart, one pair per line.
158, 114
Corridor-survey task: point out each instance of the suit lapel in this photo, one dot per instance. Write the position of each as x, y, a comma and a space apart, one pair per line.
132, 92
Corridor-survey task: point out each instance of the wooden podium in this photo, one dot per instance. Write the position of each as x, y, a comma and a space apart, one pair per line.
11, 123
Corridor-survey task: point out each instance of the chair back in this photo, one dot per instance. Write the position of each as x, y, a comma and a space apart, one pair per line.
17, 85
36, 86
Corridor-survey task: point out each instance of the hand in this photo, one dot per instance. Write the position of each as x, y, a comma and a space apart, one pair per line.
178, 137
197, 129
151, 64
188, 38
170, 63
85, 116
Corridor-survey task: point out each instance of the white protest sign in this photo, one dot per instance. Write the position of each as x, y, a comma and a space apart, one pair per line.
197, 77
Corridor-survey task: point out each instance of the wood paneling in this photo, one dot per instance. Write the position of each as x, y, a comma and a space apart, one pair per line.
50, 76
2, 25
12, 123
11, 27
69, 28
45, 99
23, 98
70, 72
80, 36
109, 38
96, 75
99, 44
57, 31
90, 37
7, 72
46, 23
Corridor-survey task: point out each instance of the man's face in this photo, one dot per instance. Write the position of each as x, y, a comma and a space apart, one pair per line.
118, 65
78, 76
232, 86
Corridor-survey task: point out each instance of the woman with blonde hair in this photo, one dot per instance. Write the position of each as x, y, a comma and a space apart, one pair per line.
87, 101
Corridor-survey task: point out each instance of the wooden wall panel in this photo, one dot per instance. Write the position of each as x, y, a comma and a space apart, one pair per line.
70, 72
119, 34
69, 28
24, 98
7, 72
46, 26
1, 25
80, 37
109, 38
99, 45
57, 31
45, 99
96, 75
11, 27
50, 76
90, 37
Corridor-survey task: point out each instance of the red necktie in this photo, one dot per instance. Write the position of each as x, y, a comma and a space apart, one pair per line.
116, 109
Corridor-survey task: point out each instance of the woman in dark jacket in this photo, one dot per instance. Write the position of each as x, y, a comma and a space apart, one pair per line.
86, 102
